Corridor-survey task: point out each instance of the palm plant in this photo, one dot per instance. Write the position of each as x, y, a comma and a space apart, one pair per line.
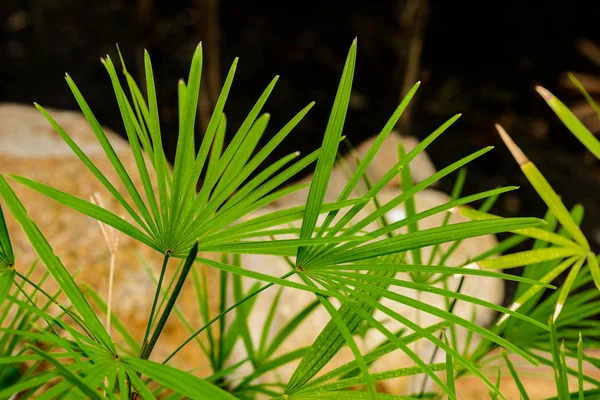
331, 253
553, 253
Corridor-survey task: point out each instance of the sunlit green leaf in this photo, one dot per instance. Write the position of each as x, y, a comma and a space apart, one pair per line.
184, 383
571, 121
54, 265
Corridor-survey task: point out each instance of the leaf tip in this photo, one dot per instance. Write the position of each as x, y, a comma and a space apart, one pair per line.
557, 310
516, 152
514, 307
545, 93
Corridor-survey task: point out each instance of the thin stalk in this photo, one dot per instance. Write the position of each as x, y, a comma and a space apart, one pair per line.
155, 301
189, 261
111, 277
221, 315
111, 238
223, 303
167, 290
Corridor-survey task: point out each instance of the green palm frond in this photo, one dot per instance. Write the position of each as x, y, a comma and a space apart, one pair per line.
570, 120
173, 218
573, 250
7, 258
206, 203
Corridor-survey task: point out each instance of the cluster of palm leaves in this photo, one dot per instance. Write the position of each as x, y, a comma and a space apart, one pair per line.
202, 205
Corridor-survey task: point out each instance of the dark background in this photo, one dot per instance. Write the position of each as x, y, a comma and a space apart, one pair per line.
479, 58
